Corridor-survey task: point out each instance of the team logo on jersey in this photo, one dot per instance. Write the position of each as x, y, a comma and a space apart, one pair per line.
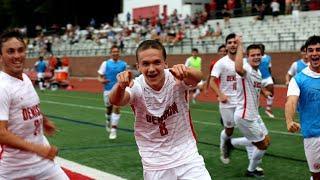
231, 78
171, 110
31, 112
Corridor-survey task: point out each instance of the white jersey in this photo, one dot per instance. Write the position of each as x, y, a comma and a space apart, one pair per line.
19, 105
163, 127
249, 88
224, 69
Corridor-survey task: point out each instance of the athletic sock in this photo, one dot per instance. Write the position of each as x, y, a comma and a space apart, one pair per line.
269, 102
256, 159
223, 138
241, 141
115, 120
196, 93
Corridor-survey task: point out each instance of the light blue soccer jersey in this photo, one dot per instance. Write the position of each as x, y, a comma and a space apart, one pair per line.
264, 66
112, 69
301, 65
309, 103
41, 66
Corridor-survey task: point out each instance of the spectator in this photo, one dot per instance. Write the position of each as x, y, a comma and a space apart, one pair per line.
275, 6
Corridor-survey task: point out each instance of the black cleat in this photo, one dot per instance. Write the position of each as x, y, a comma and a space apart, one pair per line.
254, 173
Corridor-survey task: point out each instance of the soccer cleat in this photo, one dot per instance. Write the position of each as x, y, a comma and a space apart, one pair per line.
225, 152
269, 113
113, 133
254, 173
224, 160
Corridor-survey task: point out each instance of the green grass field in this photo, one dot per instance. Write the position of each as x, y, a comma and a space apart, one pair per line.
82, 138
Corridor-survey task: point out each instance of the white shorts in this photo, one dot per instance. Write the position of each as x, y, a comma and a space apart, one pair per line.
267, 81
312, 151
195, 169
40, 75
227, 115
254, 131
106, 98
49, 170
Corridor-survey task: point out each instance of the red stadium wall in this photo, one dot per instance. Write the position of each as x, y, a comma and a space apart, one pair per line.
88, 66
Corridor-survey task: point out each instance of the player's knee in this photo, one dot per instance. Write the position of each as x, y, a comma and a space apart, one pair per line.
229, 131
264, 144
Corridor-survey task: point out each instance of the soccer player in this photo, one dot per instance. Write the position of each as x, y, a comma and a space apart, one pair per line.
267, 81
246, 114
41, 66
163, 127
304, 91
298, 65
227, 90
108, 72
26, 153
222, 51
195, 61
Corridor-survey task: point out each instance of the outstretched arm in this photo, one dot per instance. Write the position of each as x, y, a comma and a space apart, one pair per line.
190, 76
118, 95
239, 57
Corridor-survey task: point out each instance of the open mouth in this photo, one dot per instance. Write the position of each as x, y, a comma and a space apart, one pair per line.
315, 58
152, 76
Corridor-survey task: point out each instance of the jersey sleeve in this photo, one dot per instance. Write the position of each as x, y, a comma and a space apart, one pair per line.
4, 105
102, 68
293, 69
293, 88
216, 70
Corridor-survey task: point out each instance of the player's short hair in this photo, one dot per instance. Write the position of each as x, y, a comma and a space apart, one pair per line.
114, 46
194, 50
312, 40
151, 44
8, 34
221, 46
230, 36
303, 48
263, 48
254, 46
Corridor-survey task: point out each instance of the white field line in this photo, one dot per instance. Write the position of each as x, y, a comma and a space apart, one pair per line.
130, 112
85, 170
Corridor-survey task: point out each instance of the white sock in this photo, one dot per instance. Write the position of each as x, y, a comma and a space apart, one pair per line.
115, 120
223, 138
195, 94
250, 150
242, 141
256, 159
107, 117
41, 85
269, 102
